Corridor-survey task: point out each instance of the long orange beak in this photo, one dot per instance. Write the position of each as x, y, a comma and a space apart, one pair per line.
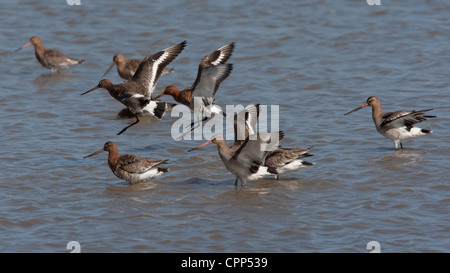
356, 109
160, 95
109, 69
25, 45
90, 90
99, 151
203, 145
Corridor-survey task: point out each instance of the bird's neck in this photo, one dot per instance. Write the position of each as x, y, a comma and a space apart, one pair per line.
180, 96
377, 114
176, 94
113, 156
112, 91
224, 150
120, 64
39, 50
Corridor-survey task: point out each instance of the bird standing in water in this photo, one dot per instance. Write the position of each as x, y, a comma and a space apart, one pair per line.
131, 168
50, 58
397, 126
282, 160
247, 162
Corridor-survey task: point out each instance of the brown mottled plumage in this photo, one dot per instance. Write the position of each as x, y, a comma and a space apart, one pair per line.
131, 168
50, 58
285, 160
397, 126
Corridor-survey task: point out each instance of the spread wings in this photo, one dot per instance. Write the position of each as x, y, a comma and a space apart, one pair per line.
212, 71
151, 67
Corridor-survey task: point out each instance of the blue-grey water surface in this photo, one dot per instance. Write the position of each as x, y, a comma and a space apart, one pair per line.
315, 59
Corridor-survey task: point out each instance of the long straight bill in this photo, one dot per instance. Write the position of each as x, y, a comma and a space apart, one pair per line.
203, 145
356, 109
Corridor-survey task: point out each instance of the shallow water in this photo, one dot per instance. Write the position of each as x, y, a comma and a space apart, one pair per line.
316, 59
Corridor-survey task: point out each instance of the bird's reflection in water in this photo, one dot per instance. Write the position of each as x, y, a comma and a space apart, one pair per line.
400, 158
125, 188
47, 81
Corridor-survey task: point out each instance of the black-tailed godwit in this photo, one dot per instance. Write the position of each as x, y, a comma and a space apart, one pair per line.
397, 126
131, 168
136, 93
212, 70
127, 68
50, 58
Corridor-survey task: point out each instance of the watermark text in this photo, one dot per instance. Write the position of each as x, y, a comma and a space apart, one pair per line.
73, 2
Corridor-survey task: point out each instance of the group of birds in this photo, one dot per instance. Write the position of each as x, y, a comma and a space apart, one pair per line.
252, 155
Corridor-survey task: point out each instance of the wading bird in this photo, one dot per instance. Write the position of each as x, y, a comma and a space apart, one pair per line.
50, 58
131, 168
397, 126
247, 162
283, 160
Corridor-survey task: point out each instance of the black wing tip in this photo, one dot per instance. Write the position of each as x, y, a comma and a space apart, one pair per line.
224, 52
229, 45
228, 48
179, 46
305, 155
227, 72
183, 44
307, 163
174, 51
426, 110
165, 161
163, 170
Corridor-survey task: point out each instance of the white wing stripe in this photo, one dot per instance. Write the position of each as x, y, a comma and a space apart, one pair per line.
153, 71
